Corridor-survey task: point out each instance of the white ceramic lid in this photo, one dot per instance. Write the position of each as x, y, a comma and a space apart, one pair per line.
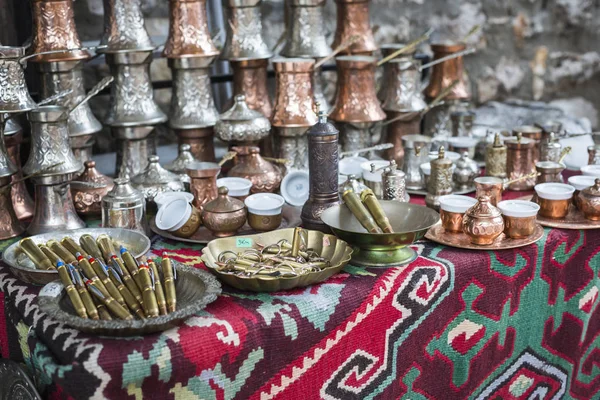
518, 208
295, 188
487, 180
373, 176
264, 203
237, 187
581, 182
171, 214
554, 191
591, 170
452, 155
163, 198
456, 203
352, 166
463, 142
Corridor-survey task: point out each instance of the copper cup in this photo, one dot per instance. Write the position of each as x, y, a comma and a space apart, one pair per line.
452, 210
204, 182
191, 225
489, 186
554, 199
534, 133
264, 211
519, 218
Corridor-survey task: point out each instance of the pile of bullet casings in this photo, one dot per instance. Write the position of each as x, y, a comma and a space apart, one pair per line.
102, 283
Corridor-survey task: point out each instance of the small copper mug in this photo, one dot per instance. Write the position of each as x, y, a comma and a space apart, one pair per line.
490, 186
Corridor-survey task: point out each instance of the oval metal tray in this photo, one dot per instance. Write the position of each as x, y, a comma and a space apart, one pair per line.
24, 269
290, 214
457, 192
461, 241
195, 289
574, 219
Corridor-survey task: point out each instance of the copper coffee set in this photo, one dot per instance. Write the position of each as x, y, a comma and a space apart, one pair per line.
267, 137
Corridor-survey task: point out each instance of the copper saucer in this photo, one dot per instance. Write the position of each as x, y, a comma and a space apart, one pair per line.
423, 192
574, 219
460, 240
291, 219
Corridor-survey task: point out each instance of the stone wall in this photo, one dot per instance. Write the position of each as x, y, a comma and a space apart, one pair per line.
530, 49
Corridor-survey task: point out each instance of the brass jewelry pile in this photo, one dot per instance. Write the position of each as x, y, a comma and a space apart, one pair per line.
102, 284
282, 259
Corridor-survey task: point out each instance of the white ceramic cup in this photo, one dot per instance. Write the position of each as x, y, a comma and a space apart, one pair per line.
581, 182
518, 208
173, 215
238, 187
264, 204
456, 204
591, 170
166, 197
554, 191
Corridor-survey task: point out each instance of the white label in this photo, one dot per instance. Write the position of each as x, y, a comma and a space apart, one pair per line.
53, 289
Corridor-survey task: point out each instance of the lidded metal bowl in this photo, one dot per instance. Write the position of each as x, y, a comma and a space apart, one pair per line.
225, 215
241, 124
155, 179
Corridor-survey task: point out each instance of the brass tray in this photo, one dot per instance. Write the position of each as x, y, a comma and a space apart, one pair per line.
328, 246
460, 240
195, 289
574, 219
423, 192
291, 219
22, 267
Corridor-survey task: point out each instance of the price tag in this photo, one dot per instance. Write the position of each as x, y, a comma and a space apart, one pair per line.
243, 242
53, 289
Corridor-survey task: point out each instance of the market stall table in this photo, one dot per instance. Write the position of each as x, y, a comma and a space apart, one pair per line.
521, 323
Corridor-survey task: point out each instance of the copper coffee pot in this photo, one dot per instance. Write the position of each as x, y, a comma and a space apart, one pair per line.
265, 177
534, 133
244, 31
294, 108
89, 188
445, 73
124, 28
21, 200
250, 80
519, 162
241, 125
191, 51
356, 107
353, 19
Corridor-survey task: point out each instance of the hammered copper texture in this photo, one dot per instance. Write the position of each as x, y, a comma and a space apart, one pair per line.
519, 228
188, 30
294, 96
574, 219
250, 79
519, 162
54, 29
460, 240
443, 74
265, 177
201, 142
88, 200
452, 222
353, 19
553, 209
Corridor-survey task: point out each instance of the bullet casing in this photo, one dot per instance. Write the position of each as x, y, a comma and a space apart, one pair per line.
35, 254
128, 280
130, 300
110, 287
90, 307
52, 256
105, 245
114, 307
150, 304
361, 213
74, 247
89, 272
60, 251
71, 291
170, 293
158, 289
91, 248
368, 198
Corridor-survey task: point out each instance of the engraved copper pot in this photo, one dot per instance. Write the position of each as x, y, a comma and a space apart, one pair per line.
549, 171
519, 162
535, 134
225, 215
154, 179
250, 79
54, 29
265, 177
21, 200
353, 19
200, 141
57, 77
243, 24
443, 74
440, 180
124, 28
89, 188
204, 182
305, 30
491, 187
323, 173
188, 31
589, 201
594, 155
495, 158
401, 97
134, 146
131, 95
124, 207
483, 222
294, 108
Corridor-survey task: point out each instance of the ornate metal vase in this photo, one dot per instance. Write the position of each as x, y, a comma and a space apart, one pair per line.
519, 162
440, 180
244, 32
134, 146
353, 19
305, 33
294, 108
241, 125
443, 74
356, 106
188, 31
124, 28
323, 172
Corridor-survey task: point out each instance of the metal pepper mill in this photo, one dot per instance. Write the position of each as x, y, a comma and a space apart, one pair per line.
52, 154
440, 180
394, 184
294, 109
323, 171
190, 52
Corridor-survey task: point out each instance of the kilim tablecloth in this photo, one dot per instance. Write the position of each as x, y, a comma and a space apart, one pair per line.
454, 324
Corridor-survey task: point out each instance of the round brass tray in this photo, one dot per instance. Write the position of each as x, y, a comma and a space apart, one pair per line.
574, 219
22, 267
423, 192
195, 289
460, 240
330, 247
291, 219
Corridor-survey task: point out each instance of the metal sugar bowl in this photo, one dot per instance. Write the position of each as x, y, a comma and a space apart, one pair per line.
241, 125
124, 207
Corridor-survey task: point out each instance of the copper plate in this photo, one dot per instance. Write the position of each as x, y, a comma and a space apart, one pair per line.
195, 290
574, 219
291, 219
461, 241
468, 190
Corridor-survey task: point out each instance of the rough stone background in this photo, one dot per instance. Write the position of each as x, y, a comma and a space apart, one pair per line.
545, 50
